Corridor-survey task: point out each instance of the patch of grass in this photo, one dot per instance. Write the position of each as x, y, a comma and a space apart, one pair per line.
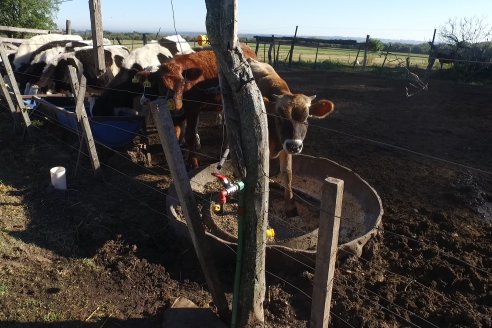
3, 289
51, 317
37, 123
87, 262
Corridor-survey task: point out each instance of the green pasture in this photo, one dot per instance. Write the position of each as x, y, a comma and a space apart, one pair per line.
336, 56
342, 56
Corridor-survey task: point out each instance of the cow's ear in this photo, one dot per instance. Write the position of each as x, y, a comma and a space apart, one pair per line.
321, 109
192, 74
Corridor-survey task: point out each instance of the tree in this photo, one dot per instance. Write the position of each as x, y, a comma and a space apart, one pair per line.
376, 45
468, 40
466, 30
38, 14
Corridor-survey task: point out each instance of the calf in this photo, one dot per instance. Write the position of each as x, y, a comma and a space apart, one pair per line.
288, 115
194, 82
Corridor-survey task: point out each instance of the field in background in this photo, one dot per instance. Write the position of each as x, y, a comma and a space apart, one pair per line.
337, 56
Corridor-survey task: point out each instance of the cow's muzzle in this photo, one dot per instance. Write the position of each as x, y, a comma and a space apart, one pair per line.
293, 146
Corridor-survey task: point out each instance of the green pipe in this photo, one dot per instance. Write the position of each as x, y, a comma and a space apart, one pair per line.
239, 254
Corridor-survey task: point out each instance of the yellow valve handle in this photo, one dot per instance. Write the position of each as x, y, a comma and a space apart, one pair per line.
135, 79
146, 84
216, 208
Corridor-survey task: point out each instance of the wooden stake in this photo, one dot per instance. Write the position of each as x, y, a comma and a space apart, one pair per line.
366, 47
432, 58
174, 158
292, 46
386, 56
21, 108
97, 36
8, 99
82, 119
68, 25
329, 225
356, 57
246, 123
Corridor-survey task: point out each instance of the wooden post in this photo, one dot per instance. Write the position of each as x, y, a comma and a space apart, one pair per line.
316, 56
246, 123
82, 119
97, 36
432, 58
292, 46
366, 46
356, 57
272, 46
278, 52
386, 56
68, 25
174, 158
15, 88
257, 47
8, 99
326, 254
144, 38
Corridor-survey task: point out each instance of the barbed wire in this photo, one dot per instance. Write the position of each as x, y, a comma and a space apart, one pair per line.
271, 216
381, 143
122, 173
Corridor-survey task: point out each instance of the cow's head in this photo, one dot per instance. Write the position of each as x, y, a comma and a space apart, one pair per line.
179, 80
291, 113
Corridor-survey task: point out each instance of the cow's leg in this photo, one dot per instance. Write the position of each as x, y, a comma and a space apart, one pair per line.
286, 174
190, 137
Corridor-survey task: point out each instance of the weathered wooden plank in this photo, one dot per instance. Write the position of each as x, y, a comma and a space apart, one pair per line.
247, 130
326, 253
23, 30
97, 35
17, 94
174, 159
83, 120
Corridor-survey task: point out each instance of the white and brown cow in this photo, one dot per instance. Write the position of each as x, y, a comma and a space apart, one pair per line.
126, 90
288, 115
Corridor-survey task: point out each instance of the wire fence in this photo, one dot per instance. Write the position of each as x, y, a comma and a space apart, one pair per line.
376, 298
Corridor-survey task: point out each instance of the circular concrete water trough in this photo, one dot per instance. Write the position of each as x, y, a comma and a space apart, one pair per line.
361, 211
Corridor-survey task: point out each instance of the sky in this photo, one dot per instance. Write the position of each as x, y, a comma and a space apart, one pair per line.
381, 19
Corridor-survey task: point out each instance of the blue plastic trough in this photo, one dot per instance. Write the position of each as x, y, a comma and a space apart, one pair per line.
112, 131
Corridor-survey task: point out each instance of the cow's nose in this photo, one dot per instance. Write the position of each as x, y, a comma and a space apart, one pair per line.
293, 146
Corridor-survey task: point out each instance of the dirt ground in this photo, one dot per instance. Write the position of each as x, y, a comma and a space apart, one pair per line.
102, 255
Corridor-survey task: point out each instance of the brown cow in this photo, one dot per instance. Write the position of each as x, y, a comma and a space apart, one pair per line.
288, 115
193, 80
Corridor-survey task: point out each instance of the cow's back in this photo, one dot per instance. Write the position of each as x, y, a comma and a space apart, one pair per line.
268, 81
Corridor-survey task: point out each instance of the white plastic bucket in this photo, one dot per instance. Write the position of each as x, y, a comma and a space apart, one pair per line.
58, 177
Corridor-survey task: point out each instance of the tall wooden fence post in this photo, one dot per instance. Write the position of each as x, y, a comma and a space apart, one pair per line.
386, 56
356, 57
291, 53
326, 254
366, 47
83, 120
432, 57
246, 123
97, 36
15, 89
174, 159
68, 25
